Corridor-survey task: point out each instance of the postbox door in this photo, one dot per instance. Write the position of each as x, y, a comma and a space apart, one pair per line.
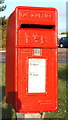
37, 81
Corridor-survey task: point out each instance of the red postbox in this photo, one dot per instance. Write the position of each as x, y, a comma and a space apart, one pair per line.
31, 64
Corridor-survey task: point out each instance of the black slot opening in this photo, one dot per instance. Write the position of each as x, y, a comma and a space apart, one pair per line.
37, 26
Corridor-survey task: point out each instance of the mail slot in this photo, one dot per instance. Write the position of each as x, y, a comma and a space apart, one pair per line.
31, 60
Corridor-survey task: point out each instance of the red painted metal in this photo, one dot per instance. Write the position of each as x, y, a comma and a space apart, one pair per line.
22, 39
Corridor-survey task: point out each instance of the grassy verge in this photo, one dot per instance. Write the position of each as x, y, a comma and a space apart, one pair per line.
2, 48
61, 112
8, 112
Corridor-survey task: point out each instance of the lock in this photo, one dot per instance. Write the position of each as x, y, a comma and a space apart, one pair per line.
37, 52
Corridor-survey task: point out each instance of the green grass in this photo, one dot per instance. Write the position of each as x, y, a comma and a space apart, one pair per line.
3, 36
61, 112
8, 112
